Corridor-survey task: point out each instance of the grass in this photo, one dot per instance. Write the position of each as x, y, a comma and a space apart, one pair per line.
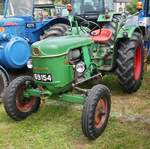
57, 125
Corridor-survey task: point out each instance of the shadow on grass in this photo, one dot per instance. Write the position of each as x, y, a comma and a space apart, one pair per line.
109, 80
50, 111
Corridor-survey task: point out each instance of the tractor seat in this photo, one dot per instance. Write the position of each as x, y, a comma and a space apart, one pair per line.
101, 35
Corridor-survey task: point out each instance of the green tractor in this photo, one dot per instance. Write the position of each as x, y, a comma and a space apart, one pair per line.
75, 54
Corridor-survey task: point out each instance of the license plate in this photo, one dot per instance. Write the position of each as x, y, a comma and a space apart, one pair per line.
43, 77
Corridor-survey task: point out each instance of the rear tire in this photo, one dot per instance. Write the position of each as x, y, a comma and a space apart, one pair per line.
16, 106
4, 82
130, 63
56, 30
96, 112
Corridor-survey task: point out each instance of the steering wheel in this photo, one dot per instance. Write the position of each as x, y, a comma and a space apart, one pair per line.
90, 23
87, 24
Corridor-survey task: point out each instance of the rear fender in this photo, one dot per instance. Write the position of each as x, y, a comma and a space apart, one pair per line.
127, 31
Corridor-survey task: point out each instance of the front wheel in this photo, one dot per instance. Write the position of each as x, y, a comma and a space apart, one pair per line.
17, 106
96, 112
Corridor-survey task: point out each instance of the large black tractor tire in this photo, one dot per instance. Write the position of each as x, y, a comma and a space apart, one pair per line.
56, 30
130, 63
4, 82
16, 106
96, 112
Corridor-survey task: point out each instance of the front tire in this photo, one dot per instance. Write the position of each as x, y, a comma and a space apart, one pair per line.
96, 112
17, 106
130, 63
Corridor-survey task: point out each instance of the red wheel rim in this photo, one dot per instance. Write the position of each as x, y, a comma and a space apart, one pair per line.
137, 63
101, 112
22, 104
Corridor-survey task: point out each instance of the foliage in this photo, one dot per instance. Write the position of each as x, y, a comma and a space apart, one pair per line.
131, 7
61, 1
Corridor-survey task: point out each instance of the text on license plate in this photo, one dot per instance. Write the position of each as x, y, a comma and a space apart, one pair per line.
43, 77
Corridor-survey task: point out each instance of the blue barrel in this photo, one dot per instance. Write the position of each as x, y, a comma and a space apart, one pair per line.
14, 52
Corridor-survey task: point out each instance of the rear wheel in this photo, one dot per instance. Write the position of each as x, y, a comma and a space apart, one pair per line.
4, 82
131, 63
96, 111
56, 30
17, 106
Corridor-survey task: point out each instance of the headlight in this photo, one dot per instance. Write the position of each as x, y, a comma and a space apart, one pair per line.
80, 67
36, 51
29, 64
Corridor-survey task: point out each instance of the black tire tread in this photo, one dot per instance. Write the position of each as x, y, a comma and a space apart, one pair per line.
89, 110
5, 82
125, 63
55, 30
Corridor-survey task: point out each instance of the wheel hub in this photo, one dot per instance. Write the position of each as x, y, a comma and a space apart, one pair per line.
100, 113
23, 104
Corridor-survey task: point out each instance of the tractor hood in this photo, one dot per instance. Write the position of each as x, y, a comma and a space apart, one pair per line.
60, 45
11, 22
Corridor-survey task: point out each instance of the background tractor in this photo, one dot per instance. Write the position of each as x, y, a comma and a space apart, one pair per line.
21, 24
144, 20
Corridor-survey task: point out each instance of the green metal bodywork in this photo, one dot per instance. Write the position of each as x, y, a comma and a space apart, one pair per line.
62, 74
102, 17
72, 98
53, 59
52, 47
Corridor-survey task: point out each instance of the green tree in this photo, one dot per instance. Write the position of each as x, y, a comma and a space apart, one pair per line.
131, 7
